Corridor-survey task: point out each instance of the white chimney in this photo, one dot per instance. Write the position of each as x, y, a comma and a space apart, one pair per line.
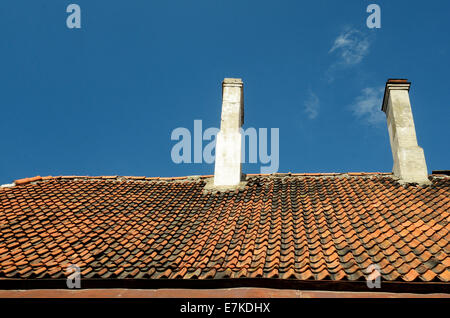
409, 158
228, 167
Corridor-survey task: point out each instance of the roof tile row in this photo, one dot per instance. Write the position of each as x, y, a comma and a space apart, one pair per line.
297, 226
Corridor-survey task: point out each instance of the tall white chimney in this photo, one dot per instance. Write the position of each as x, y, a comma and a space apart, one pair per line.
228, 166
409, 158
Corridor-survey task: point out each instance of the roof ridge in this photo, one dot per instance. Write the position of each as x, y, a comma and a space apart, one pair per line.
24, 181
197, 177
117, 177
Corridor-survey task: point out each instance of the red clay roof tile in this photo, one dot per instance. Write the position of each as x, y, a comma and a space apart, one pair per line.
288, 226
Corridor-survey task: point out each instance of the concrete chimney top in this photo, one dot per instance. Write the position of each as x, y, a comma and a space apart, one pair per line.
229, 80
409, 158
394, 83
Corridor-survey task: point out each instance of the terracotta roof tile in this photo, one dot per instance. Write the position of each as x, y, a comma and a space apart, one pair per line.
289, 226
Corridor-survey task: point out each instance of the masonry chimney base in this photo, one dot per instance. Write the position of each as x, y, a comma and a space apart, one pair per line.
210, 187
411, 166
228, 166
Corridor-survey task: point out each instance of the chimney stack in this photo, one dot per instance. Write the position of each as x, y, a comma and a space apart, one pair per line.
409, 158
228, 166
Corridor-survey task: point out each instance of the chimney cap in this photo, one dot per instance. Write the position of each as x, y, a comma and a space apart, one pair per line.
228, 80
393, 82
397, 81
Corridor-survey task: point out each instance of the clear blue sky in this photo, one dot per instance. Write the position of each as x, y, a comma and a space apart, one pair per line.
104, 99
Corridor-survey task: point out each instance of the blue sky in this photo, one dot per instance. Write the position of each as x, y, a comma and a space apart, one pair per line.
104, 99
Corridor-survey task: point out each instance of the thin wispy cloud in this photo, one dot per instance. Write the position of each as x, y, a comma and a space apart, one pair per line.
348, 49
311, 105
367, 106
351, 47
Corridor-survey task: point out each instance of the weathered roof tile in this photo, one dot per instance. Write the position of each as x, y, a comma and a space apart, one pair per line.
289, 226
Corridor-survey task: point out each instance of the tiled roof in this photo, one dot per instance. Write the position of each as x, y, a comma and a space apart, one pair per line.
303, 227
